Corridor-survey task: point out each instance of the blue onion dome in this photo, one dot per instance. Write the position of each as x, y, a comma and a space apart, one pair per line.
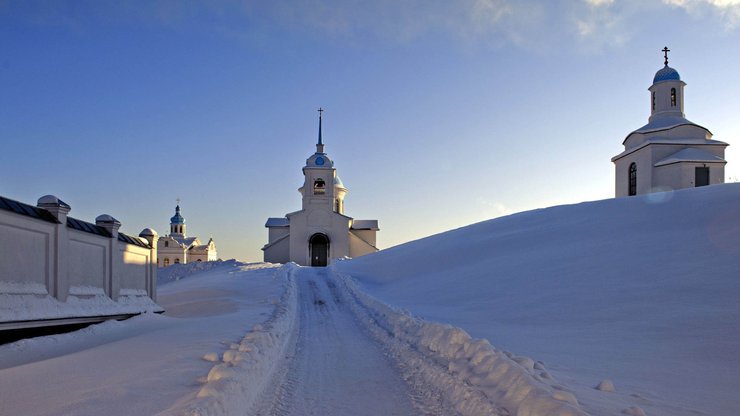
177, 219
666, 74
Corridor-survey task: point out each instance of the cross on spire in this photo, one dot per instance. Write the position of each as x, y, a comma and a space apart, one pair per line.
178, 201
665, 53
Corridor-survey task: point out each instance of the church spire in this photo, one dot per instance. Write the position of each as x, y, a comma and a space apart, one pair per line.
320, 144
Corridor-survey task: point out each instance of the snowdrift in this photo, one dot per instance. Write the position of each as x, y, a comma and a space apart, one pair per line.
641, 290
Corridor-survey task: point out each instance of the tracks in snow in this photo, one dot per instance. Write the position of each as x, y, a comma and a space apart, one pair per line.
334, 367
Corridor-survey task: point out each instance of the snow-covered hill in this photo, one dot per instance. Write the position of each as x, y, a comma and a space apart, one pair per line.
643, 291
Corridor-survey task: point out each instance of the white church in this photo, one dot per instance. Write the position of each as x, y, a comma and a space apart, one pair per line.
176, 247
320, 232
669, 152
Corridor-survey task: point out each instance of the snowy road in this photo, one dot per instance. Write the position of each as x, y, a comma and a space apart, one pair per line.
335, 368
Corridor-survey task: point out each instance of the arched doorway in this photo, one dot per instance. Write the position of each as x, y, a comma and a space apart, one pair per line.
318, 246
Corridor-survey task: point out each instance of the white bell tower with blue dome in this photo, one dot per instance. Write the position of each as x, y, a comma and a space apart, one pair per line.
320, 232
177, 223
670, 152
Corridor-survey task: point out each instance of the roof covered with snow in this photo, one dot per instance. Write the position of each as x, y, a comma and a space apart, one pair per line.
277, 222
365, 225
690, 154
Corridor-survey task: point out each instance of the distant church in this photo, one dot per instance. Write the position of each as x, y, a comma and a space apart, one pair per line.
177, 247
670, 152
320, 232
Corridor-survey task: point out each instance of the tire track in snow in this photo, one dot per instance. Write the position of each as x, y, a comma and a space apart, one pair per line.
335, 367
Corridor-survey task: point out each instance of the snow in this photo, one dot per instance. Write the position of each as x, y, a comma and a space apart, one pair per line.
619, 307
641, 290
146, 364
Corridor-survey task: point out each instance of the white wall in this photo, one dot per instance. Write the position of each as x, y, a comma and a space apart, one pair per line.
39, 257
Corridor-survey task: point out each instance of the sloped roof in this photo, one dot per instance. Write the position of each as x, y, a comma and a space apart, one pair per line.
690, 154
27, 210
132, 240
365, 225
277, 222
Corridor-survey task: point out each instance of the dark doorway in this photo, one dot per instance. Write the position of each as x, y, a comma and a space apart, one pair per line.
701, 176
319, 249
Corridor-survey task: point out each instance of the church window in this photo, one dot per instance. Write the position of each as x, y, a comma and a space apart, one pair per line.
336, 206
177, 261
166, 262
319, 187
633, 179
166, 243
673, 97
653, 100
198, 260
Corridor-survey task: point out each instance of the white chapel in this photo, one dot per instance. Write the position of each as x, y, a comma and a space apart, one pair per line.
670, 152
320, 232
176, 247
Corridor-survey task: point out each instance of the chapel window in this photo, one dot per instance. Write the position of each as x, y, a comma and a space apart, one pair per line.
653, 101
166, 262
673, 97
177, 261
166, 243
633, 179
319, 187
336, 206
198, 260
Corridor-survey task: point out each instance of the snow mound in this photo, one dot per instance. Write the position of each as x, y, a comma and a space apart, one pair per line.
470, 375
641, 290
239, 380
176, 272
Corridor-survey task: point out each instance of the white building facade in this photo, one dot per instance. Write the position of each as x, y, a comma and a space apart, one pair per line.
670, 152
320, 232
177, 248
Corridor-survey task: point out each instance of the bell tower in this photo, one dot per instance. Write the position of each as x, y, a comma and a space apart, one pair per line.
666, 93
177, 223
321, 188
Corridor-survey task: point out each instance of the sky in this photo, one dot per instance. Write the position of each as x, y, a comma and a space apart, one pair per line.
438, 114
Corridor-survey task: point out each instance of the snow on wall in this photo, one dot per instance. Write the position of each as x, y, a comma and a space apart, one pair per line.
470, 375
244, 371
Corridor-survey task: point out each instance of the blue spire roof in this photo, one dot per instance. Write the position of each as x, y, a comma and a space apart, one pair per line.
177, 219
666, 74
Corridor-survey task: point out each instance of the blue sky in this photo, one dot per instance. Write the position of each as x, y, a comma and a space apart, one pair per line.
438, 113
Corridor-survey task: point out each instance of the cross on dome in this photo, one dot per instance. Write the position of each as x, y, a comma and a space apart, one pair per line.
665, 53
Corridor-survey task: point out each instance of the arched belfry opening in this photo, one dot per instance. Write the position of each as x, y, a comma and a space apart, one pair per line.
318, 247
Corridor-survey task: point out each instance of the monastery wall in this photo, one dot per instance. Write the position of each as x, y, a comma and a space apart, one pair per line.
55, 269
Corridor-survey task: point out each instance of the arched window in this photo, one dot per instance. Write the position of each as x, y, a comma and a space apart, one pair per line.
319, 187
177, 261
653, 100
166, 262
633, 179
673, 97
166, 243
198, 260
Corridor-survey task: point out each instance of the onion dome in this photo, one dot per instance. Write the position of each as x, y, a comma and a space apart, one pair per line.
177, 219
666, 74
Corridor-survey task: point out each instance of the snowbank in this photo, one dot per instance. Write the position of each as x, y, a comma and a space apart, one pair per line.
176, 272
642, 291
472, 377
245, 370
15, 307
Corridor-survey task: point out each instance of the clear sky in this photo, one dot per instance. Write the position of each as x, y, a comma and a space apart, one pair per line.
438, 113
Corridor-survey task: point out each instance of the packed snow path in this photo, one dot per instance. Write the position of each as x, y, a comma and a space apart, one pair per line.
335, 368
